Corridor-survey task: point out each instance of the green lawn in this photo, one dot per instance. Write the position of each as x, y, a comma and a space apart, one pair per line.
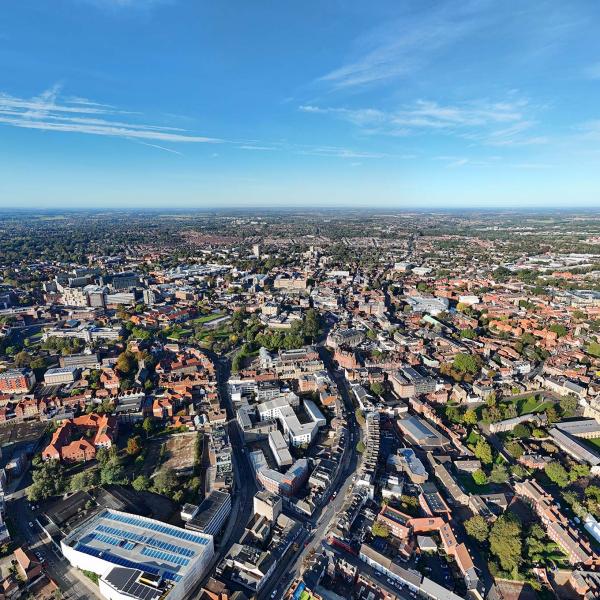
178, 333
528, 406
208, 318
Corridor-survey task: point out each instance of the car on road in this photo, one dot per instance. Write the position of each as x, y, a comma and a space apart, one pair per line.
31, 524
40, 557
274, 593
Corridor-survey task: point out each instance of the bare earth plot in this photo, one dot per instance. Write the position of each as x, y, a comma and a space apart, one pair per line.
179, 452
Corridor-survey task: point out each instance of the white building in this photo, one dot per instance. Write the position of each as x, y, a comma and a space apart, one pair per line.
60, 375
135, 555
433, 306
297, 432
279, 448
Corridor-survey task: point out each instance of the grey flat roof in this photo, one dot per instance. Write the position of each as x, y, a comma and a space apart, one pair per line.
580, 426
420, 430
573, 446
208, 508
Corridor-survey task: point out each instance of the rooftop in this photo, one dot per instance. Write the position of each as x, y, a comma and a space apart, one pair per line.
138, 542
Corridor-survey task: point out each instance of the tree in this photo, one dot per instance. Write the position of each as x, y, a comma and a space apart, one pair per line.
477, 528
559, 329
518, 471
126, 363
22, 359
514, 449
134, 446
141, 483
360, 447
521, 431
470, 417
536, 543
377, 388
466, 363
453, 414
102, 456
568, 405
48, 480
148, 426
165, 482
312, 325
479, 477
84, 480
468, 333
578, 472
576, 506
551, 414
557, 473
505, 541
499, 474
483, 451
380, 530
113, 472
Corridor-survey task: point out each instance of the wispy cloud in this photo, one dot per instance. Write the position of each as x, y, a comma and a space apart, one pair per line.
454, 162
341, 152
158, 147
259, 148
499, 123
405, 45
49, 112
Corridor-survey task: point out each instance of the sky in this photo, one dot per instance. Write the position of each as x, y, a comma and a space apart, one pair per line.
402, 103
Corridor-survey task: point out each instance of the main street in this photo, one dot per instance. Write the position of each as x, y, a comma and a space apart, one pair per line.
323, 520
244, 488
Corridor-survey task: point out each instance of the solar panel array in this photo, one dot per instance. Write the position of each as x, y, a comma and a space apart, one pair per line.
158, 527
178, 560
147, 540
119, 560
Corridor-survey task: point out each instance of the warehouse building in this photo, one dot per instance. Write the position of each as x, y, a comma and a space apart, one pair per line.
137, 557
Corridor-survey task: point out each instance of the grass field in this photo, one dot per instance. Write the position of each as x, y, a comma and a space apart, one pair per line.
531, 405
208, 318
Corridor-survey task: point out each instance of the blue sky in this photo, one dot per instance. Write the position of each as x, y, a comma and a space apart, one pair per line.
190, 103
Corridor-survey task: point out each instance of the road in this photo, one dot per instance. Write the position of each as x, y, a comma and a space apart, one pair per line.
242, 506
73, 584
322, 520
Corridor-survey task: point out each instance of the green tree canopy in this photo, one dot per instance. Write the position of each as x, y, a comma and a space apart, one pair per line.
477, 528
505, 541
483, 451
557, 473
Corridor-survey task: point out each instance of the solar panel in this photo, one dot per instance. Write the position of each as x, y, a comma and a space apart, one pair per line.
178, 560
146, 540
119, 560
160, 528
